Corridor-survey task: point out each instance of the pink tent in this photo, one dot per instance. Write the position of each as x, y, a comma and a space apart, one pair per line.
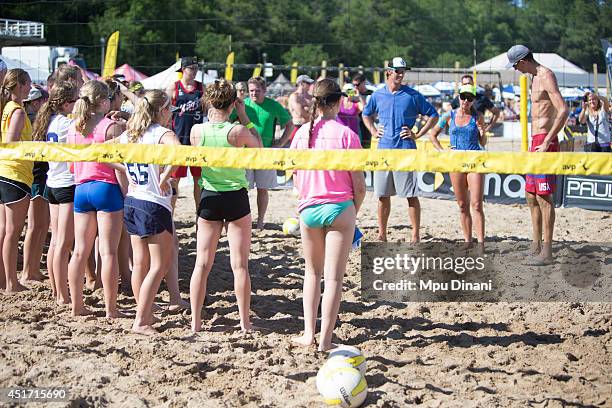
130, 73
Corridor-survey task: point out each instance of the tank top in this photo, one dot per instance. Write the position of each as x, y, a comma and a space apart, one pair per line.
191, 110
145, 177
349, 116
464, 137
601, 125
92, 171
17, 170
219, 178
59, 174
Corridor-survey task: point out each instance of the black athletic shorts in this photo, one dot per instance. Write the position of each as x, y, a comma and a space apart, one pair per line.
224, 206
12, 191
61, 195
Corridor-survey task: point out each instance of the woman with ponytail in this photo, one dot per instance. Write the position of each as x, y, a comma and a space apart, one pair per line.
224, 199
52, 125
15, 175
98, 200
328, 204
148, 206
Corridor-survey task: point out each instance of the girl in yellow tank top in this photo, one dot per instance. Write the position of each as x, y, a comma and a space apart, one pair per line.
15, 175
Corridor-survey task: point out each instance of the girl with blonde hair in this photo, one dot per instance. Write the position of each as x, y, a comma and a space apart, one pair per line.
224, 199
148, 206
15, 175
98, 199
328, 204
52, 125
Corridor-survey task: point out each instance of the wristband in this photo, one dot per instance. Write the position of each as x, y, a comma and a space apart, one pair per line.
250, 125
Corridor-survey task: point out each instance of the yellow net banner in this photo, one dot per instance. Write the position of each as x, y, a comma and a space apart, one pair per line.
291, 159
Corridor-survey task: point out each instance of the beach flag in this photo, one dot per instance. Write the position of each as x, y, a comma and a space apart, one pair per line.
257, 71
110, 60
229, 69
294, 72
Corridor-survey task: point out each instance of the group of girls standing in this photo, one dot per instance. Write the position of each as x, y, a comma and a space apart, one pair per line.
100, 199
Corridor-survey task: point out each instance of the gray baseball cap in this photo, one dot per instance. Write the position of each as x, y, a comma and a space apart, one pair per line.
304, 78
515, 54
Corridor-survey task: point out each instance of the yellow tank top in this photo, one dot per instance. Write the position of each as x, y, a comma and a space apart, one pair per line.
17, 170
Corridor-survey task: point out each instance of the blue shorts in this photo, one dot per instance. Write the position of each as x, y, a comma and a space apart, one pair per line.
97, 196
146, 218
40, 190
323, 215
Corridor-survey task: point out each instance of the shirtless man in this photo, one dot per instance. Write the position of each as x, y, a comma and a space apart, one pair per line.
548, 115
300, 102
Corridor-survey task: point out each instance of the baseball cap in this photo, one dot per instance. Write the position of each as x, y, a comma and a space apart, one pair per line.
515, 54
348, 87
35, 93
304, 78
471, 89
398, 63
187, 61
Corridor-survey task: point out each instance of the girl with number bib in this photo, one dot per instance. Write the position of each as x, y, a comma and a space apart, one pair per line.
52, 124
224, 199
328, 204
98, 200
148, 206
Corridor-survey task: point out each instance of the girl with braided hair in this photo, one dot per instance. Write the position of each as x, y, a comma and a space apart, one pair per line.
328, 204
15, 175
52, 125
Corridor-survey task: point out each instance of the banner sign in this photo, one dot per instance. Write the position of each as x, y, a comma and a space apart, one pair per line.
591, 193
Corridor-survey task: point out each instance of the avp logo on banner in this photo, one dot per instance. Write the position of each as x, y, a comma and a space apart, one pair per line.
592, 192
498, 188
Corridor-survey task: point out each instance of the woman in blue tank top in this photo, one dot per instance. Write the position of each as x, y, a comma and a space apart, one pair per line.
466, 133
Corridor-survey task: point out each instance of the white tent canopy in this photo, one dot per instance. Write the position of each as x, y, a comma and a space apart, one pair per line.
567, 73
165, 78
427, 90
36, 75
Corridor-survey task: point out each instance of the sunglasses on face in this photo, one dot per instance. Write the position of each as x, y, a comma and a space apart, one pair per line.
466, 97
399, 71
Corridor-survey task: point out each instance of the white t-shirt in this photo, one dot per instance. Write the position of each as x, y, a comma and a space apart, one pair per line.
600, 124
144, 178
59, 174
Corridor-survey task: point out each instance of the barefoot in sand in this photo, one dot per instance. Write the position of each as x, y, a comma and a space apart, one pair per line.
535, 248
179, 306
145, 330
14, 288
82, 311
116, 315
33, 277
303, 340
327, 347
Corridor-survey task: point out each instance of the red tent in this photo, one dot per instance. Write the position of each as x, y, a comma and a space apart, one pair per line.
130, 73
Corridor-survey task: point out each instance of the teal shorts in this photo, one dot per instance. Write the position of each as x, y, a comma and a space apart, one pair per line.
323, 215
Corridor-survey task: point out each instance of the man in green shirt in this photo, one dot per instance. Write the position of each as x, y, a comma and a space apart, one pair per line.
264, 113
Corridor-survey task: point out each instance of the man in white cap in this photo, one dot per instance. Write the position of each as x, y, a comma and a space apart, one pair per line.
548, 116
300, 102
397, 107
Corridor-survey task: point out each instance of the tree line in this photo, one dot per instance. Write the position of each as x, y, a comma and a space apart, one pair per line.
427, 33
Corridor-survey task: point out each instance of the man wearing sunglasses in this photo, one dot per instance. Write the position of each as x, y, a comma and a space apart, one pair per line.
548, 116
397, 107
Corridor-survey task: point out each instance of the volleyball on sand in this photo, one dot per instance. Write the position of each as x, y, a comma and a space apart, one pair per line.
342, 386
291, 227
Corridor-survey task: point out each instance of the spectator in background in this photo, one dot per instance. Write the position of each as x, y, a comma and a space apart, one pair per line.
482, 104
241, 90
359, 82
264, 114
350, 109
594, 114
3, 69
300, 102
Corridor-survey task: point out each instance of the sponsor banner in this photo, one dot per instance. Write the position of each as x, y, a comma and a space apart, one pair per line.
591, 193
